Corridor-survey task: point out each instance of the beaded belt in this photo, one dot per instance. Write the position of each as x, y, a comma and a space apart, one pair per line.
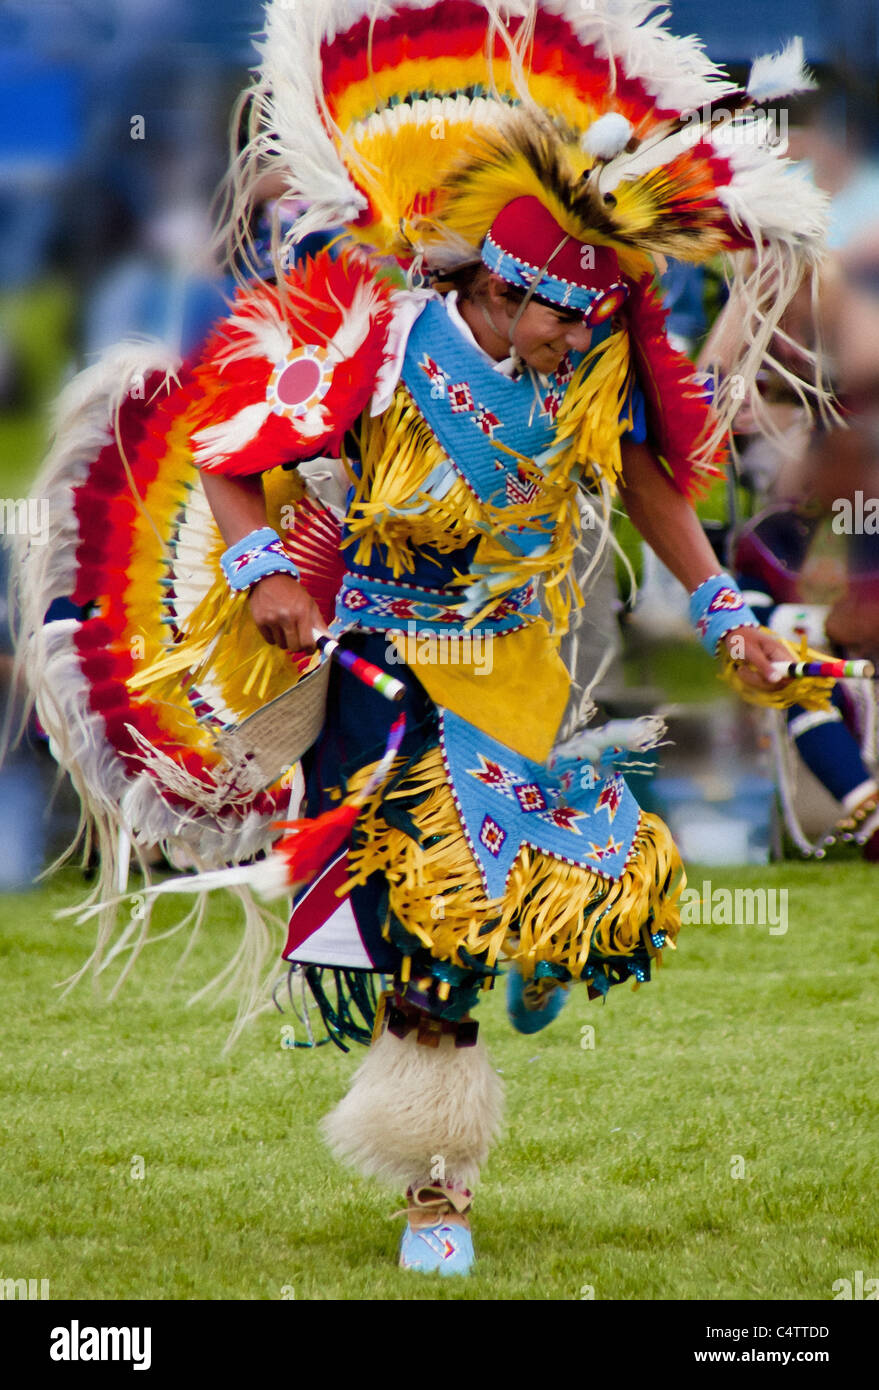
379, 605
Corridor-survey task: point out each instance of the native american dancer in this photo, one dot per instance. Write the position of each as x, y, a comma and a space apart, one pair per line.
402, 467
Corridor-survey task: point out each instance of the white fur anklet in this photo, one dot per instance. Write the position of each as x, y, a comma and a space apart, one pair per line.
416, 1114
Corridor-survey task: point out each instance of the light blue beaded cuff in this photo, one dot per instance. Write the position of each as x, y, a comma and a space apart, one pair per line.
717, 607
256, 556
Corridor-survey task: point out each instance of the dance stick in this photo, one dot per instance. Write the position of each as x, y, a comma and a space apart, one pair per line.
365, 671
832, 670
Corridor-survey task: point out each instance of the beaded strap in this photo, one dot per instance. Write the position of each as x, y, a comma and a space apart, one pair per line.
717, 607
254, 557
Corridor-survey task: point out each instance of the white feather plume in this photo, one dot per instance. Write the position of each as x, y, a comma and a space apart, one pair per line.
608, 136
780, 74
265, 336
217, 442
636, 735
355, 324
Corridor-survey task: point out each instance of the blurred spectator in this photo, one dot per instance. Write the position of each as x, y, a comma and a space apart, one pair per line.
812, 567
836, 151
23, 782
683, 290
169, 286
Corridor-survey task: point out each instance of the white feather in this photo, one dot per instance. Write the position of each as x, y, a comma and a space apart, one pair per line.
777, 197
637, 735
645, 157
780, 74
355, 325
312, 424
608, 136
269, 878
265, 334
217, 442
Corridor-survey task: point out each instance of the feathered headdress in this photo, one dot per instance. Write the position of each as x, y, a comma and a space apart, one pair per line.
409, 124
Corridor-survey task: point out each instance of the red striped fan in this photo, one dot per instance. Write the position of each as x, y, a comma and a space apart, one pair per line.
314, 541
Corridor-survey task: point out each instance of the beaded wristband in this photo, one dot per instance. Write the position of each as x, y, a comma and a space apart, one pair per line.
717, 607
254, 557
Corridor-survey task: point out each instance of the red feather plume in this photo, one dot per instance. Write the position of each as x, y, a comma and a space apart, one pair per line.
325, 304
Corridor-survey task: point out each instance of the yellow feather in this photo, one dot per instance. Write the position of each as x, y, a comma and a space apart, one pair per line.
444, 76
502, 172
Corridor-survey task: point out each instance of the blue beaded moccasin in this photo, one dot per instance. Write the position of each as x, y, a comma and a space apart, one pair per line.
442, 1249
437, 1237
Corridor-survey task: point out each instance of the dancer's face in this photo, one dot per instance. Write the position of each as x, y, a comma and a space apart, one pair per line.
541, 335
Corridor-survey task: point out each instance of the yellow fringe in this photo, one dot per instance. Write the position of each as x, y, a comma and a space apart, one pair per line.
399, 452
551, 911
811, 692
589, 415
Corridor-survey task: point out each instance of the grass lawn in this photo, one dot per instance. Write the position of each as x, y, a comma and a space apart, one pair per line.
751, 1054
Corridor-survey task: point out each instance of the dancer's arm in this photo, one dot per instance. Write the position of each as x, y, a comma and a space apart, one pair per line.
282, 608
671, 528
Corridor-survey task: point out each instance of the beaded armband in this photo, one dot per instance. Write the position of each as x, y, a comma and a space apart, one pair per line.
254, 557
717, 607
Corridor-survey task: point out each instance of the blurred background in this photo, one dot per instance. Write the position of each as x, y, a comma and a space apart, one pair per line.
114, 122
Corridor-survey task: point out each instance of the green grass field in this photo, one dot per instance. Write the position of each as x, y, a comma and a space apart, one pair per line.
751, 1054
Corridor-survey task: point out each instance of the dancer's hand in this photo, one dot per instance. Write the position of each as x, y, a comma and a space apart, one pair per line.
285, 612
755, 651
